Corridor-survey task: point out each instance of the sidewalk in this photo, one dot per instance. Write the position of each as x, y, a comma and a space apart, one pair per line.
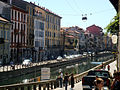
78, 86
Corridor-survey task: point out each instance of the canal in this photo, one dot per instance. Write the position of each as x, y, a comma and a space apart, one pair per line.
75, 68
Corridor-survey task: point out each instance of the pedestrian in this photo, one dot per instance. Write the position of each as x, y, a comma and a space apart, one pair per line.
61, 79
99, 84
72, 81
108, 67
66, 77
116, 82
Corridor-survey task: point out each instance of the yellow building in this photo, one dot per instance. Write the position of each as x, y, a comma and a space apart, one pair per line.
52, 33
51, 29
4, 41
69, 40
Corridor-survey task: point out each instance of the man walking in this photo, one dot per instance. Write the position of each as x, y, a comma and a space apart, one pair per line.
61, 79
66, 77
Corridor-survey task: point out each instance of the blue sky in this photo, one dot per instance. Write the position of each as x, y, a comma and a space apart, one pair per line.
99, 12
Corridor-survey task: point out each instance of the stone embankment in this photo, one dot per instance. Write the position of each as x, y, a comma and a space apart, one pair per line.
38, 66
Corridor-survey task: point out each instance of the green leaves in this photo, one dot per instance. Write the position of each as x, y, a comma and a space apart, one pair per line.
113, 27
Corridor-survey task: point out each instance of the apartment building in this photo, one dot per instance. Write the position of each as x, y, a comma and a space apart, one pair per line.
5, 29
98, 34
52, 34
18, 33
39, 32
72, 40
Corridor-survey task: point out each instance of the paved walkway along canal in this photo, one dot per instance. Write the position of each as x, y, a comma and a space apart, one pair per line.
78, 86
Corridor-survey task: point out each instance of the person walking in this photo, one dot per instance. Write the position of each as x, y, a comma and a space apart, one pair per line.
72, 81
66, 77
61, 79
116, 82
99, 84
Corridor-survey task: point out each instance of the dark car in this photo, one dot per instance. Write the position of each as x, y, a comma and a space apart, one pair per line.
88, 81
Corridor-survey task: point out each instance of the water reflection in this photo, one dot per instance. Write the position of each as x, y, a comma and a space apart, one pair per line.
96, 62
74, 68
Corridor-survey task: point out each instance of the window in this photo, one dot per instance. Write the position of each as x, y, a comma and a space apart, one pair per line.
18, 16
46, 33
18, 26
21, 17
12, 26
15, 25
54, 34
36, 43
12, 14
8, 35
24, 18
24, 26
15, 14
21, 27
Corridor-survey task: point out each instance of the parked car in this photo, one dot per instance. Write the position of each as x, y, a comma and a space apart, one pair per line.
59, 58
88, 81
26, 62
84, 53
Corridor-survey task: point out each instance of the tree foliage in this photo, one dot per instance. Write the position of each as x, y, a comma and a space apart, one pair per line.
113, 27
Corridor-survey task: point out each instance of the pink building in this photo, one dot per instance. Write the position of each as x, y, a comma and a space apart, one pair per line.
95, 30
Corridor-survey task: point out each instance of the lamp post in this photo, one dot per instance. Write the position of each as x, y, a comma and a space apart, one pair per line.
114, 41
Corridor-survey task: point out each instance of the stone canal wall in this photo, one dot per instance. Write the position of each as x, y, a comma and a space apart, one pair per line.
19, 72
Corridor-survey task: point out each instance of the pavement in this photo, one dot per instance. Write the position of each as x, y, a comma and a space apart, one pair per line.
78, 86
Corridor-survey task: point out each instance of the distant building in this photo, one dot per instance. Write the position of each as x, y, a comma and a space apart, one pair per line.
95, 30
98, 36
39, 32
49, 34
5, 29
18, 33
72, 39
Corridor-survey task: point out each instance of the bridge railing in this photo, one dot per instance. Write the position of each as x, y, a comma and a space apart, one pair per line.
48, 84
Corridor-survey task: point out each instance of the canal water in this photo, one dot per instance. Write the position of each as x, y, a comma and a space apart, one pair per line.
75, 68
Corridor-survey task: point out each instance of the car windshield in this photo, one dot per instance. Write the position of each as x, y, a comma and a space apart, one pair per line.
99, 73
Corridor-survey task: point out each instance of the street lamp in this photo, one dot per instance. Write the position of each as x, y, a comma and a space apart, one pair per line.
114, 41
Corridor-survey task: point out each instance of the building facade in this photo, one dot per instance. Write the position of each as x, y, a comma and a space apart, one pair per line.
98, 36
72, 40
39, 33
18, 33
52, 34
5, 29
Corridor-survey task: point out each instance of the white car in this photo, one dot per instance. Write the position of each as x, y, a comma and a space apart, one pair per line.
84, 53
59, 58
26, 62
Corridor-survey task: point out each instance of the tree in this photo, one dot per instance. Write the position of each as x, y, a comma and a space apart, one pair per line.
113, 27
